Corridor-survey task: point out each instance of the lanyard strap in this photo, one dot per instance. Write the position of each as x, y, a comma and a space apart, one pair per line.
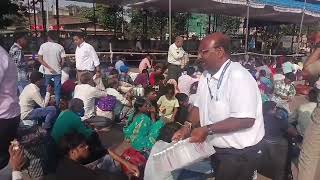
219, 81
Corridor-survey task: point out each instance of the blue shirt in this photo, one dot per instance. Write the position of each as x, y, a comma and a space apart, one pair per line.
118, 65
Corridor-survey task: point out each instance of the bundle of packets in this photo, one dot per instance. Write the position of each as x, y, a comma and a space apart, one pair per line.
180, 154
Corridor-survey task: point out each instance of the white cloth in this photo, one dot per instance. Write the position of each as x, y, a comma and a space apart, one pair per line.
9, 102
52, 53
185, 82
30, 97
238, 97
118, 95
175, 54
192, 99
86, 57
88, 95
17, 175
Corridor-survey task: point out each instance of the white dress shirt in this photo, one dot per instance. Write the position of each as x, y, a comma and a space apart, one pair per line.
184, 83
86, 57
175, 54
52, 54
88, 94
30, 97
9, 102
238, 97
17, 175
118, 95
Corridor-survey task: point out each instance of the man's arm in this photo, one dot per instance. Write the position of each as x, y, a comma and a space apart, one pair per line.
176, 54
39, 100
42, 62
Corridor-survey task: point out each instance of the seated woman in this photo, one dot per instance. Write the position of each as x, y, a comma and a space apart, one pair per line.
141, 131
142, 79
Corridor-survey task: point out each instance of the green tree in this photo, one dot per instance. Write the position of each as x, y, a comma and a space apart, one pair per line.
11, 12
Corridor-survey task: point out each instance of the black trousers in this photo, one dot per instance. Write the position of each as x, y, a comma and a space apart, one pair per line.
174, 72
274, 161
234, 164
8, 131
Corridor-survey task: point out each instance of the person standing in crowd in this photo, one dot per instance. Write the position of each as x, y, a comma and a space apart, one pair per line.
175, 54
30, 97
17, 55
146, 63
309, 158
9, 105
228, 109
86, 57
51, 56
186, 80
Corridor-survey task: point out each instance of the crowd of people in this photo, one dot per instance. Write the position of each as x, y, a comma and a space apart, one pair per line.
241, 108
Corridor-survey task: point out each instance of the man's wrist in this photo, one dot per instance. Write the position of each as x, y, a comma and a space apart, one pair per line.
209, 129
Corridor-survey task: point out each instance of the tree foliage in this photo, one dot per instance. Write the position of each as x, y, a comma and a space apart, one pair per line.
11, 12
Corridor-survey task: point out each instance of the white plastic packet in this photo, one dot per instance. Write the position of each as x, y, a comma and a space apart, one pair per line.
181, 154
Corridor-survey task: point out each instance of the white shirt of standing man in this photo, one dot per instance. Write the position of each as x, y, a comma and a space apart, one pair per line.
86, 57
228, 106
176, 52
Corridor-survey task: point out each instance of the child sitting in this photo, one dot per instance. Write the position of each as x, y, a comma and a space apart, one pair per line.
183, 110
168, 104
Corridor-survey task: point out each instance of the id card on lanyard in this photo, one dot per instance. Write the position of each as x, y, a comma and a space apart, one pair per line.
219, 81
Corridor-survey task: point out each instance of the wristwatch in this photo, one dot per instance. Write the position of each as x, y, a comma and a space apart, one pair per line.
210, 129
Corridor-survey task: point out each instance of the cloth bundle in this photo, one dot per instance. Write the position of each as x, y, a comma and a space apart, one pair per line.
181, 154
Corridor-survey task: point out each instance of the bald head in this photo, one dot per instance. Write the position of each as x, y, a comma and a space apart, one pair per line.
216, 40
179, 41
214, 51
75, 105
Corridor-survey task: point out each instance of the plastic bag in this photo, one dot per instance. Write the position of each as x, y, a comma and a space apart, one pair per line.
181, 154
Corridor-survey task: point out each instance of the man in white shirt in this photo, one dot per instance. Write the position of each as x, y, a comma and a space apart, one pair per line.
86, 57
175, 55
186, 80
88, 93
31, 97
51, 56
229, 111
9, 105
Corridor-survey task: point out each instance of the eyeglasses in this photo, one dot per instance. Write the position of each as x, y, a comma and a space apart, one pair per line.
204, 51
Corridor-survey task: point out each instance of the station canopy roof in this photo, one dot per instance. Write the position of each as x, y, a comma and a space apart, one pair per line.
281, 11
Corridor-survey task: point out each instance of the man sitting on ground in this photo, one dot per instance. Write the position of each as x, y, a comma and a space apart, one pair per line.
88, 93
30, 98
69, 121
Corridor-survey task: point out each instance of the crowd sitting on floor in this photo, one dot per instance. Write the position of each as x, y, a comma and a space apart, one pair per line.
148, 106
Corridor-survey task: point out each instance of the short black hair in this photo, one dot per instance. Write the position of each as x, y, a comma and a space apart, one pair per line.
81, 35
114, 72
148, 90
190, 70
35, 77
170, 87
53, 35
181, 97
70, 141
290, 76
268, 106
159, 77
168, 131
313, 95
19, 34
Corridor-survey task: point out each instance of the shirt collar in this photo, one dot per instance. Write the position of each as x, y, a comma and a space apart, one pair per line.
16, 44
82, 44
218, 74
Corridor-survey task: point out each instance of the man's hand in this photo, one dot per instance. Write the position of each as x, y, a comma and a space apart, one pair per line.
198, 135
16, 158
182, 133
133, 169
52, 71
98, 74
50, 89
